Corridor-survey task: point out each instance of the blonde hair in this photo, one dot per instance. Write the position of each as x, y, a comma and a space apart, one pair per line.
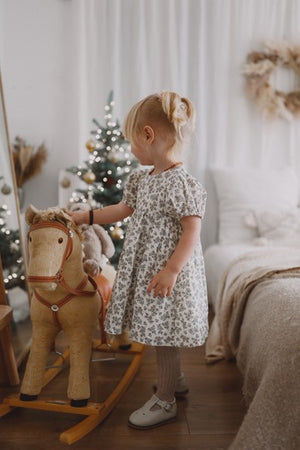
167, 110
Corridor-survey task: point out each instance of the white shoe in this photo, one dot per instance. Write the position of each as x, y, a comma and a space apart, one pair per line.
144, 418
181, 388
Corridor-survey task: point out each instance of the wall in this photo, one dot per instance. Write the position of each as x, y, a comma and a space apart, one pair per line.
37, 59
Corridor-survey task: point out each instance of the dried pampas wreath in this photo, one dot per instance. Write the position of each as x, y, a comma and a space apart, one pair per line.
258, 70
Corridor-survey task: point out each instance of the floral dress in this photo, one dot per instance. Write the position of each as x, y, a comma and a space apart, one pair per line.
159, 202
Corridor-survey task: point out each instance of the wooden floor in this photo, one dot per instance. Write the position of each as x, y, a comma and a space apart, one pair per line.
207, 419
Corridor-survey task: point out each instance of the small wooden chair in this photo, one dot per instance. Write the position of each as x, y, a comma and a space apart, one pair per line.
9, 372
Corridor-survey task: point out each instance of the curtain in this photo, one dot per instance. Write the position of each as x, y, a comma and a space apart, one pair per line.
61, 58
197, 48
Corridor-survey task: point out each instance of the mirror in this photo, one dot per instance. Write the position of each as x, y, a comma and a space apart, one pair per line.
12, 249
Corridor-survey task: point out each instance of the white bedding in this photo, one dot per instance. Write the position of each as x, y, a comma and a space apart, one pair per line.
217, 258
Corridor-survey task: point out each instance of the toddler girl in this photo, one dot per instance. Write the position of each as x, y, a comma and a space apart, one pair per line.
160, 289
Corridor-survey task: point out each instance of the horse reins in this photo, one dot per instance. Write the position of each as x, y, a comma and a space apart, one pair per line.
58, 277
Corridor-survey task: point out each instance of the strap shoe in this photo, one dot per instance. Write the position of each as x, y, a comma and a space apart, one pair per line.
146, 417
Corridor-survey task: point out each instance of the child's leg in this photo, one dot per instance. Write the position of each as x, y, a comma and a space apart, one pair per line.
161, 408
168, 370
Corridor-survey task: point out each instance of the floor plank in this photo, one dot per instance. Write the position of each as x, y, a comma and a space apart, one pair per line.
207, 419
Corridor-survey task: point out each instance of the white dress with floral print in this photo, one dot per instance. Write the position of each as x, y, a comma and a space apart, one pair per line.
159, 202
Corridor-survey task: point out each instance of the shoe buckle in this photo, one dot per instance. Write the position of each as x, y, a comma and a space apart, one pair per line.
165, 405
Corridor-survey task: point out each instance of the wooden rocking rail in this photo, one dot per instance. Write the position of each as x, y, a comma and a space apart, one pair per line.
95, 412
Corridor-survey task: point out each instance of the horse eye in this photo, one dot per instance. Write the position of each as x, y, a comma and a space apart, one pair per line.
60, 240
30, 239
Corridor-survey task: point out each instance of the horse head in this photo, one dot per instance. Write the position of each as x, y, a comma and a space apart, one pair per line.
54, 243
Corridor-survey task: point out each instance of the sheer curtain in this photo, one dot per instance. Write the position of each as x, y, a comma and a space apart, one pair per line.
198, 48
62, 57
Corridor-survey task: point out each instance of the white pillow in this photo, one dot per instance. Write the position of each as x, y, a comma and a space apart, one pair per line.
242, 190
276, 226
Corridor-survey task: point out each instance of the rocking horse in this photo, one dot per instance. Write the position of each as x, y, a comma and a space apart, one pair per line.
65, 297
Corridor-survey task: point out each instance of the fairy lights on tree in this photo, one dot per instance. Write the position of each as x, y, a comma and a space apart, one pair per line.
11, 253
105, 172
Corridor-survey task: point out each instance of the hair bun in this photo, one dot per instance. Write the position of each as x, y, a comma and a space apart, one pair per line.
180, 112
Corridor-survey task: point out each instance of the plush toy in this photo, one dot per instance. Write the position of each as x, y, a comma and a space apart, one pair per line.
62, 298
97, 244
97, 248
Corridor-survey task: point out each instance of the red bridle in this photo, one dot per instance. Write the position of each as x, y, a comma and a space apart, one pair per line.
68, 250
58, 277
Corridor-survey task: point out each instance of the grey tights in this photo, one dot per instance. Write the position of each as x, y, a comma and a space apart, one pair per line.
168, 370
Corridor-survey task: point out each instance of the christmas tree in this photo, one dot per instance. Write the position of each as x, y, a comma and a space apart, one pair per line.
105, 172
11, 253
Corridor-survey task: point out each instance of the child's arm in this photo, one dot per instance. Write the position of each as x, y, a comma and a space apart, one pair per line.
164, 281
108, 214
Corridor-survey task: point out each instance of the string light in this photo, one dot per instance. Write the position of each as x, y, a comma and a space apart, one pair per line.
110, 154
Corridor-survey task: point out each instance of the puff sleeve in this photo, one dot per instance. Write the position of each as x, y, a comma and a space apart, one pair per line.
131, 188
187, 197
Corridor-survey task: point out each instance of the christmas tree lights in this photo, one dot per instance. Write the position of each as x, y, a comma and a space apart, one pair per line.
11, 253
105, 172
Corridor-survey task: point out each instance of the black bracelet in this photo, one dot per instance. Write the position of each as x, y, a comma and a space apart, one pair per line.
91, 216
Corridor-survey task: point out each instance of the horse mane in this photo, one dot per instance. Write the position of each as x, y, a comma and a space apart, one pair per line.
56, 214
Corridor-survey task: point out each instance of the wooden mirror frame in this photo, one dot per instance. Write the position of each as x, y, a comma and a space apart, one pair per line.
21, 353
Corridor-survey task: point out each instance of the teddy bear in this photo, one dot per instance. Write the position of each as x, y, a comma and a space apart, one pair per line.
97, 246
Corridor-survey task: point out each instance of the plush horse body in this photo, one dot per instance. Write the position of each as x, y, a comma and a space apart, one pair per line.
64, 297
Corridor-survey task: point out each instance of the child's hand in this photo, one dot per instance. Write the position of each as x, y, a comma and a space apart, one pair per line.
78, 217
162, 283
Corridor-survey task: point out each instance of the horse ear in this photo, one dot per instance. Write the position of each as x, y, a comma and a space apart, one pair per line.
30, 214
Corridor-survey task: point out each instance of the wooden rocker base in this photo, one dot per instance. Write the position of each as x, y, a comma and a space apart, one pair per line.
95, 412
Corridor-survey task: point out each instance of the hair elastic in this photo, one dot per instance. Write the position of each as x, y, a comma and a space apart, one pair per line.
91, 217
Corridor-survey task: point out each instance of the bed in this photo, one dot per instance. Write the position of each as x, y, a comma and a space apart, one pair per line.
253, 281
